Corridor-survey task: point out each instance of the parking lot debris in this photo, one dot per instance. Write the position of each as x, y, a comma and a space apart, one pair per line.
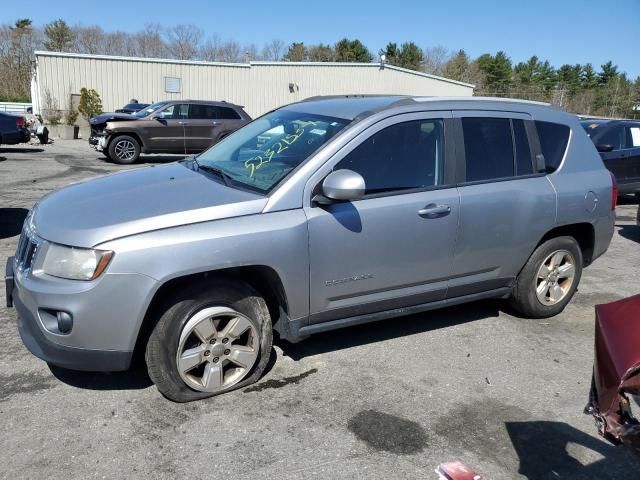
456, 471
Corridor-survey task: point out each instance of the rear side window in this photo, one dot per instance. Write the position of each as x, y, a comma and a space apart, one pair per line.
226, 113
488, 148
553, 143
199, 111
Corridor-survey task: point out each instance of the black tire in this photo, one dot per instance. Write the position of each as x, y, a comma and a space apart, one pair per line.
116, 152
162, 347
524, 299
44, 136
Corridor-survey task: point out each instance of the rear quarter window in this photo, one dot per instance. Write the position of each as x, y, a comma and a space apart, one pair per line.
554, 138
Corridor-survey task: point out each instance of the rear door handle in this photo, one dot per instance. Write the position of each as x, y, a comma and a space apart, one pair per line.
183, 123
432, 210
215, 124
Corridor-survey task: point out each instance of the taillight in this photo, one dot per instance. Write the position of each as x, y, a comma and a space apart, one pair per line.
614, 192
20, 122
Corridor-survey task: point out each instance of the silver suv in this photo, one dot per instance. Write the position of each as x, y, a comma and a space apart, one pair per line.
322, 214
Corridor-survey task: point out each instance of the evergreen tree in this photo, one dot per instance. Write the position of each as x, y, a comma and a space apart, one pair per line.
59, 36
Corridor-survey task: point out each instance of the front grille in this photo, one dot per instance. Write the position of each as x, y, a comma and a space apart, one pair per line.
26, 251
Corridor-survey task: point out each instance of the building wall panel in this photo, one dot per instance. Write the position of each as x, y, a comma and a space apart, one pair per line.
259, 86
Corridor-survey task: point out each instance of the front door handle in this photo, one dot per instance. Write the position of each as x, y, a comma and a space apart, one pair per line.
183, 123
432, 210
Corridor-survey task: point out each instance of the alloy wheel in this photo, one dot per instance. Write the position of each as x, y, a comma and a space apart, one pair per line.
125, 150
218, 347
555, 277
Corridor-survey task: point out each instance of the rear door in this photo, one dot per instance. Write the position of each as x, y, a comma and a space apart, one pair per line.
202, 128
506, 206
208, 124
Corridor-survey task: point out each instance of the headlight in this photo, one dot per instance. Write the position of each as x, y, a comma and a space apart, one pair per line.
75, 263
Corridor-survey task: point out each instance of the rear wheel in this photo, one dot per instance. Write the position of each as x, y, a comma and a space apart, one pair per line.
549, 279
124, 150
211, 339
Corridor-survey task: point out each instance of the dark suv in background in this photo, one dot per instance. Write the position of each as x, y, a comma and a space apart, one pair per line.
618, 142
176, 126
13, 129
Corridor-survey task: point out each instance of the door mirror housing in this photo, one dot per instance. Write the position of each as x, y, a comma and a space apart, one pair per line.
604, 148
341, 185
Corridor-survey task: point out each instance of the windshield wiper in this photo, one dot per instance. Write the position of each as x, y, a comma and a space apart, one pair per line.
226, 178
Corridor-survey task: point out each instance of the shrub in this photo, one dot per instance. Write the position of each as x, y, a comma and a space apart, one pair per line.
51, 111
90, 103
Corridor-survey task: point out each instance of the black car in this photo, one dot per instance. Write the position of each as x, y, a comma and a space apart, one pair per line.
132, 107
618, 142
13, 129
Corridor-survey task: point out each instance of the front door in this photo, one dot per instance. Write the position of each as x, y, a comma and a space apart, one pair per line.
166, 131
393, 247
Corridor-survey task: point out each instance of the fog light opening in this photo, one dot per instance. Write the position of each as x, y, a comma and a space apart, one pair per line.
65, 322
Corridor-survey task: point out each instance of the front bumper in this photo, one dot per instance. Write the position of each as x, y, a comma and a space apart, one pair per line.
98, 142
107, 314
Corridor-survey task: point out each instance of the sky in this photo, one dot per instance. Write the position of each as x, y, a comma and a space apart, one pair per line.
562, 31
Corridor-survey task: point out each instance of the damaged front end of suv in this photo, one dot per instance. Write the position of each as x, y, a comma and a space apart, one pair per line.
616, 372
99, 126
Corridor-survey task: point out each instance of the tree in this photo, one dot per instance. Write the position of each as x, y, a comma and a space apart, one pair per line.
273, 50
609, 72
497, 70
588, 77
297, 52
321, 53
392, 53
184, 41
59, 36
352, 51
90, 103
410, 56
434, 59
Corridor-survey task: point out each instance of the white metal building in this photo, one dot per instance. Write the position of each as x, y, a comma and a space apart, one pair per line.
259, 86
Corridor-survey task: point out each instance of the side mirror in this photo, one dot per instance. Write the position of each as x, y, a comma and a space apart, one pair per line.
604, 148
341, 185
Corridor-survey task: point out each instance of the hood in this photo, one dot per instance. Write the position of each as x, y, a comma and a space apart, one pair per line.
109, 117
88, 213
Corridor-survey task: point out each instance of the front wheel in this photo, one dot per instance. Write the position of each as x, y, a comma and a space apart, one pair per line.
211, 339
124, 150
549, 279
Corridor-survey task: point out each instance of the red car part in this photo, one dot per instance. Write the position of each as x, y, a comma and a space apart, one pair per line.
616, 372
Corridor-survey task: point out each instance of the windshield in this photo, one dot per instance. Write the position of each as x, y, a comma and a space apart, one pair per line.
150, 109
262, 153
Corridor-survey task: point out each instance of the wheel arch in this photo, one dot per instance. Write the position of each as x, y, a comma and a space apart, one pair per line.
133, 135
584, 233
264, 279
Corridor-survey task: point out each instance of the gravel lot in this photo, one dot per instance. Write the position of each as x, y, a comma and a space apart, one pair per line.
386, 400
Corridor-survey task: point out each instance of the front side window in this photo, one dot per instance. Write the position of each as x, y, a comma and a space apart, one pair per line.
150, 109
175, 112
488, 148
262, 153
404, 156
